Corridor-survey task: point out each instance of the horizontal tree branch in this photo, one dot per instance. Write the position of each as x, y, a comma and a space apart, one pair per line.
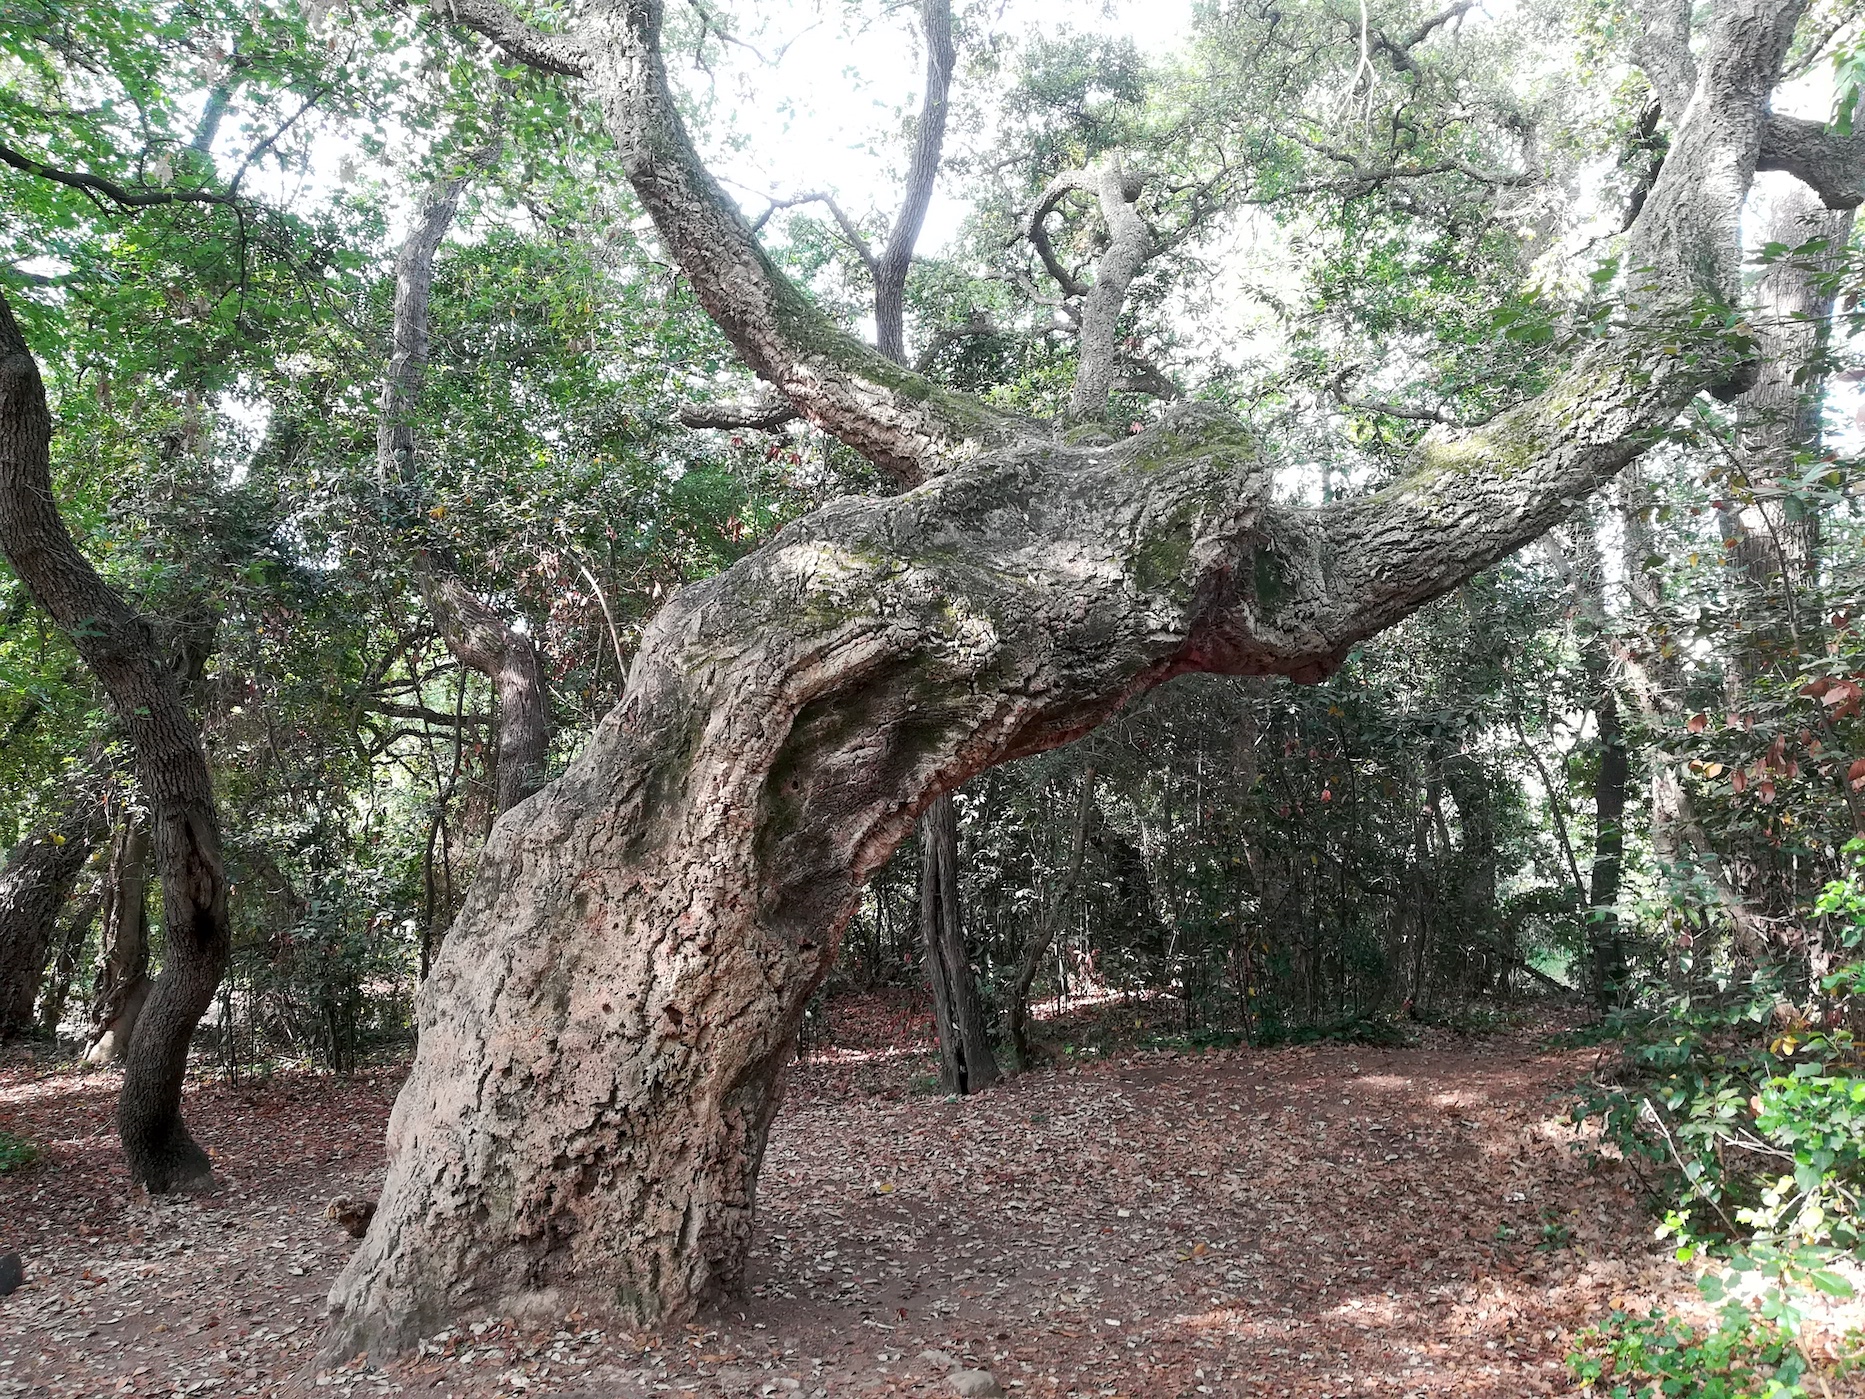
97, 186
757, 414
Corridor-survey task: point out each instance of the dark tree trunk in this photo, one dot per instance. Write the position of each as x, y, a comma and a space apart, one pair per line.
1605, 937
1043, 934
123, 961
34, 886
170, 761
966, 1063
76, 933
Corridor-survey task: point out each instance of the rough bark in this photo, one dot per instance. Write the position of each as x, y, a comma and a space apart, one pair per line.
1128, 243
603, 1036
1042, 934
34, 886
966, 1064
123, 960
170, 762
477, 635
1829, 162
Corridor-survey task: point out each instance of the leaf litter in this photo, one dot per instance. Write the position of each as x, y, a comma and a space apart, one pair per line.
1306, 1222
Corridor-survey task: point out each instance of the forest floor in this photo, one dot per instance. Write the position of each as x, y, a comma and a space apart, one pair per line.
1309, 1221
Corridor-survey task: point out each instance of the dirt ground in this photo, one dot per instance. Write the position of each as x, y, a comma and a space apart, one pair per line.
1317, 1221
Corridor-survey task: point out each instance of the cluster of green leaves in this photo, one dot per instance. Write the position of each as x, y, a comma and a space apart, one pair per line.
1657, 1356
16, 1153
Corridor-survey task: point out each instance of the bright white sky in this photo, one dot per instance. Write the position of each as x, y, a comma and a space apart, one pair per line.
827, 112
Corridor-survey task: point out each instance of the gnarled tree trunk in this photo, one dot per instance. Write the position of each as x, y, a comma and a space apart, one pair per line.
604, 1034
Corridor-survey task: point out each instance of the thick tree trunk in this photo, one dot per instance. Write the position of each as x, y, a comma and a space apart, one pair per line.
1043, 933
123, 962
604, 1033
966, 1064
34, 886
170, 761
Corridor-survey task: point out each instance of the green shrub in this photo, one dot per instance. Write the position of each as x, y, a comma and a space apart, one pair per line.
16, 1152
1645, 1357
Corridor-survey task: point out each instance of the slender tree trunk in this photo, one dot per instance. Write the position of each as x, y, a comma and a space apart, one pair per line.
34, 887
1584, 574
965, 1060
120, 649
475, 632
123, 962
896, 257
1605, 936
1043, 933
966, 1063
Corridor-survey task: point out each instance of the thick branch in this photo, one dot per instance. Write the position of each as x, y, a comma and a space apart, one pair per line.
898, 420
563, 54
1129, 244
765, 414
1833, 166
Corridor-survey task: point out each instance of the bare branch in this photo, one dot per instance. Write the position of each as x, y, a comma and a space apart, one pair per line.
851, 231
1039, 235
904, 424
757, 414
95, 185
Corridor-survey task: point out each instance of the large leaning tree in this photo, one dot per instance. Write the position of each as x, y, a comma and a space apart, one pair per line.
603, 1037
